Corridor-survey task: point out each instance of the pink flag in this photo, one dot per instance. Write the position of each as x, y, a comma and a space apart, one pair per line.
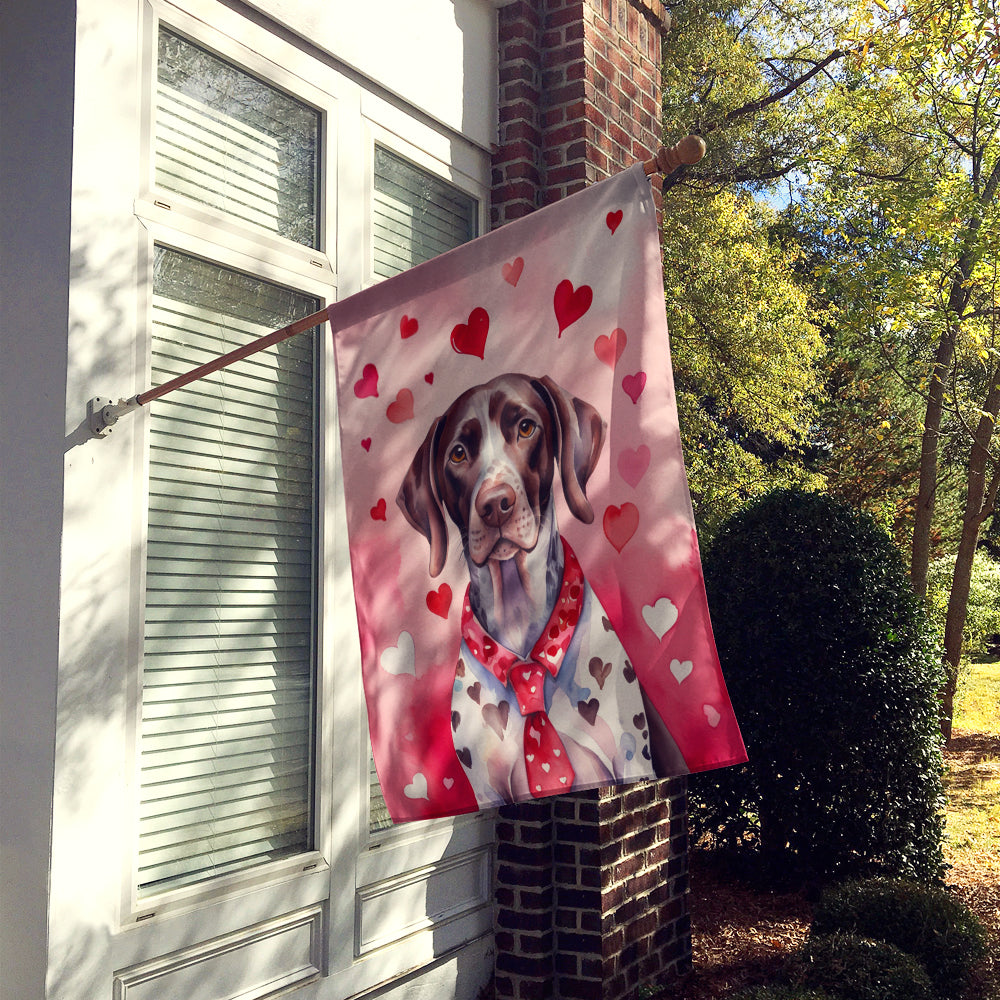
527, 577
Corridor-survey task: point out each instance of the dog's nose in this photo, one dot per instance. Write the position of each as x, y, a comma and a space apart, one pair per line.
495, 504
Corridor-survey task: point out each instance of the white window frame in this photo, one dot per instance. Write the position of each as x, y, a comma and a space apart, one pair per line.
351, 873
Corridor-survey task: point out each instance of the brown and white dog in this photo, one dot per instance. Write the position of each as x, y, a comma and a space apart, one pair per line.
490, 463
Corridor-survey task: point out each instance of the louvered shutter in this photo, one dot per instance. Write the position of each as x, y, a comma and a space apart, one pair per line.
416, 216
228, 658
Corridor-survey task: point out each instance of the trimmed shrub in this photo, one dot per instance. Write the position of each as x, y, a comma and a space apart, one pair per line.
856, 968
925, 922
834, 673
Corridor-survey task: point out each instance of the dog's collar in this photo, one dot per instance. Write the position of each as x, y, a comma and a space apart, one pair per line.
551, 646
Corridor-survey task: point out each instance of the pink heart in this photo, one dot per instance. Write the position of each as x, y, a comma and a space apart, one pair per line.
401, 408
620, 524
614, 220
633, 463
470, 338
366, 443
512, 271
633, 385
610, 349
439, 601
378, 511
367, 385
571, 304
408, 327
429, 378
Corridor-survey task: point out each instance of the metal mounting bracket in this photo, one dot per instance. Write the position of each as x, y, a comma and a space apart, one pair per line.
103, 413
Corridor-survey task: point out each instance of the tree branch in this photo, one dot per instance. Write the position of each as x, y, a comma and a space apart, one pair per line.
754, 106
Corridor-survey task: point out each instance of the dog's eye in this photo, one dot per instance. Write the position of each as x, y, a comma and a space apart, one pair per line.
457, 455
526, 428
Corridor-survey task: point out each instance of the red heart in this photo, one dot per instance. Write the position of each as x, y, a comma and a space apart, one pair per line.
367, 385
633, 463
401, 408
633, 385
470, 338
620, 524
408, 327
378, 511
429, 378
570, 305
610, 349
512, 271
614, 220
366, 443
439, 601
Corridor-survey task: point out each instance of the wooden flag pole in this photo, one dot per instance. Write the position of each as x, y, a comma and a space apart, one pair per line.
103, 413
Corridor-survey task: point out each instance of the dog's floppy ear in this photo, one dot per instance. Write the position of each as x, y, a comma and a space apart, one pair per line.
419, 501
579, 439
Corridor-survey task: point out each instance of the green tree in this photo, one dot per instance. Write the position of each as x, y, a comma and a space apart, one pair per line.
747, 353
911, 187
747, 357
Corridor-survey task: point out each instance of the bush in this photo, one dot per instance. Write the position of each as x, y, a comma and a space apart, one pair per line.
982, 620
856, 968
925, 922
833, 672
782, 993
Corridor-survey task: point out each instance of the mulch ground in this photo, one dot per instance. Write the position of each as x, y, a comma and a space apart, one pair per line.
742, 934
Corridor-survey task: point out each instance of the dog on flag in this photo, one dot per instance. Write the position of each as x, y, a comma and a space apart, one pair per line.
545, 699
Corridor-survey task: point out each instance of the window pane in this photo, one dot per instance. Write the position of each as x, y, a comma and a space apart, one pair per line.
228, 140
228, 656
416, 217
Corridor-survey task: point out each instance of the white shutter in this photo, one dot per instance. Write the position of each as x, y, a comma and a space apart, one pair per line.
415, 216
228, 659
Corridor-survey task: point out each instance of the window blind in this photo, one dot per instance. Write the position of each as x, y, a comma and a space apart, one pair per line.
228, 140
415, 216
228, 654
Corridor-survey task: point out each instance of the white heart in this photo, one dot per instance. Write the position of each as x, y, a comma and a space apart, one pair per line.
399, 659
448, 782
526, 674
556, 752
660, 617
563, 779
712, 715
681, 670
546, 767
417, 790
529, 757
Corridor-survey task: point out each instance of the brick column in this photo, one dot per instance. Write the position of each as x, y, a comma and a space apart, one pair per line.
591, 889
579, 96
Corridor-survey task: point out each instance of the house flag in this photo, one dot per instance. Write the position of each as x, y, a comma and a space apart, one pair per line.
528, 584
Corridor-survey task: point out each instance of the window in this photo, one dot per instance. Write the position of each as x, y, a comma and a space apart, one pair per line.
416, 216
252, 804
227, 140
228, 679
229, 646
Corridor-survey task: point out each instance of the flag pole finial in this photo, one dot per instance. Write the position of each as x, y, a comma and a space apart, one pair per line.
687, 152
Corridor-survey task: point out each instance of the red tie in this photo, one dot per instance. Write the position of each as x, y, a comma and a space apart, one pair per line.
545, 759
